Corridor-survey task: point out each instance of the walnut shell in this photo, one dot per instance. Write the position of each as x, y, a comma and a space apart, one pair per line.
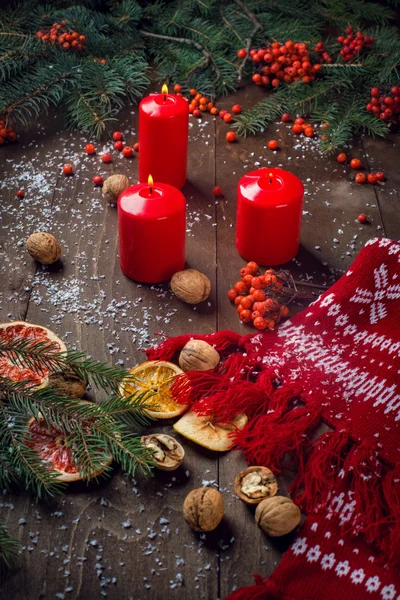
168, 454
203, 509
197, 355
255, 484
43, 247
191, 286
277, 516
114, 186
68, 384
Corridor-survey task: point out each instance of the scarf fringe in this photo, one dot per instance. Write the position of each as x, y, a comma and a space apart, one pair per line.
264, 589
222, 340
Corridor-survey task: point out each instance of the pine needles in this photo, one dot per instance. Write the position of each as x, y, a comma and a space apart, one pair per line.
192, 42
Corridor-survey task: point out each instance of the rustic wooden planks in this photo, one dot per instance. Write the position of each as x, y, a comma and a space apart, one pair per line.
133, 531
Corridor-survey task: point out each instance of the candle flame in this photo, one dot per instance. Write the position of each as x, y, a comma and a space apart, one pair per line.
270, 175
150, 180
164, 89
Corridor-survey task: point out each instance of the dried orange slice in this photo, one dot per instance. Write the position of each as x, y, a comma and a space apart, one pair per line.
53, 447
20, 330
154, 378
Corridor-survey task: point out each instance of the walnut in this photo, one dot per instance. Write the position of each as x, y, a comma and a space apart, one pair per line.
277, 516
255, 484
197, 355
168, 454
43, 247
203, 509
191, 286
68, 384
114, 186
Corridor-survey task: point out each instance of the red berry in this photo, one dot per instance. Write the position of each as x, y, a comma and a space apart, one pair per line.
245, 315
236, 109
372, 178
222, 113
90, 149
242, 53
227, 117
20, 193
257, 283
127, 151
117, 136
232, 294
375, 91
106, 157
285, 117
355, 163
299, 121
260, 323
177, 88
68, 169
259, 295
217, 191
240, 287
297, 128
272, 144
308, 131
395, 90
256, 78
196, 112
98, 180
380, 176
231, 136
362, 218
119, 145
342, 157
136, 147
360, 178
252, 267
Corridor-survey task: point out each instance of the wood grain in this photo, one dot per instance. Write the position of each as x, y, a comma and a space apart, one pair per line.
127, 539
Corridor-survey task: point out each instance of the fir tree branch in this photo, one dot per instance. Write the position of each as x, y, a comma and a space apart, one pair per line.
257, 26
9, 549
208, 57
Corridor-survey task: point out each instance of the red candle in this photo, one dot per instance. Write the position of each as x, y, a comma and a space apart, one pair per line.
163, 138
152, 231
268, 219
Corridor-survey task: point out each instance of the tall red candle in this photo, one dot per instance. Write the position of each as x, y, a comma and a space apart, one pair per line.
152, 231
268, 219
163, 138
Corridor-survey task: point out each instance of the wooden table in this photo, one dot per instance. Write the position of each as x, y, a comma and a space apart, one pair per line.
127, 539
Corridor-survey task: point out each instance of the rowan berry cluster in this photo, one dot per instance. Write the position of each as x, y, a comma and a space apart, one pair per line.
353, 44
286, 63
385, 106
59, 34
7, 133
255, 296
198, 104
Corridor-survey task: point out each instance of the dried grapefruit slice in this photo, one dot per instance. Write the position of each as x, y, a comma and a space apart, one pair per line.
52, 446
208, 432
22, 330
155, 378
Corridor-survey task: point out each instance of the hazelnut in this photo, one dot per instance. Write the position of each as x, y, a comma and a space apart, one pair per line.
114, 186
43, 247
255, 484
197, 355
67, 384
277, 516
190, 286
203, 509
168, 454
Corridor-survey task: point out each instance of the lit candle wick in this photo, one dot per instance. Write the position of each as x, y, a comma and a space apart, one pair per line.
150, 184
164, 90
270, 178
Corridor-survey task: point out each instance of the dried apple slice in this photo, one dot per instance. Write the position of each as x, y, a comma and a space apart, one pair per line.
208, 432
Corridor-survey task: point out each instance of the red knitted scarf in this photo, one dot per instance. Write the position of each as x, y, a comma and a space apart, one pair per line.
339, 362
